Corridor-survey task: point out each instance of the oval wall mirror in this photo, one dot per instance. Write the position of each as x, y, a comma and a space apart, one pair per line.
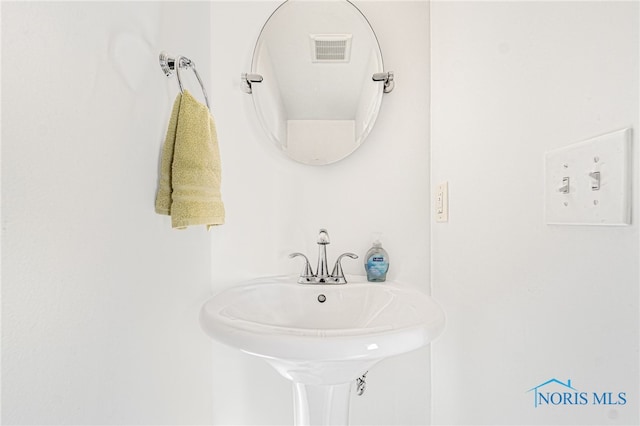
317, 79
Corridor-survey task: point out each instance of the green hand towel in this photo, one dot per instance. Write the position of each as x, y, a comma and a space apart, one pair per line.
163, 196
193, 178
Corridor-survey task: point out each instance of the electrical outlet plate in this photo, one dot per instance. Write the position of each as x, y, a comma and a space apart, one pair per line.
442, 202
588, 183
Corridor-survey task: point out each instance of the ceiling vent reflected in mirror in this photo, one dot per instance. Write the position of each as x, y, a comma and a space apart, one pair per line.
330, 47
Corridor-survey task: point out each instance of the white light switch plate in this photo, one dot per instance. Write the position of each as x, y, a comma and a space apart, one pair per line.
607, 155
442, 202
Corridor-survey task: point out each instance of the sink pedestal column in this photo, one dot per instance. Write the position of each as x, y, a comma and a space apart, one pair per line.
321, 405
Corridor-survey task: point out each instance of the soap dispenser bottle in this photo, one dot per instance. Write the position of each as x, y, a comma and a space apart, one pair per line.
376, 261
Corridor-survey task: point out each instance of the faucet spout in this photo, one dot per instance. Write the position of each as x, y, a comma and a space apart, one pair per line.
322, 271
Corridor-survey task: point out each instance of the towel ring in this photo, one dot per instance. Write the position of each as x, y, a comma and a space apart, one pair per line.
168, 65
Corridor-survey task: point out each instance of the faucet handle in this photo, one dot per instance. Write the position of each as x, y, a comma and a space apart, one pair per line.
306, 276
337, 276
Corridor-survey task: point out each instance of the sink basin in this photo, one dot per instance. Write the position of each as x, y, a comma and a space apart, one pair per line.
359, 321
320, 335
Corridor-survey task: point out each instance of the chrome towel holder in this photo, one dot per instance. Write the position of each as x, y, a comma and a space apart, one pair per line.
168, 65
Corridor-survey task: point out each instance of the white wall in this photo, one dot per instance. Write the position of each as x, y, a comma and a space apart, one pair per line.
276, 206
527, 302
100, 297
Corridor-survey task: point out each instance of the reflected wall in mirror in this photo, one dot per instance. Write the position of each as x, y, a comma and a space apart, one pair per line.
317, 99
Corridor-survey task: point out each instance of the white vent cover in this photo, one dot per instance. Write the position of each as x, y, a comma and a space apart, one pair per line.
330, 47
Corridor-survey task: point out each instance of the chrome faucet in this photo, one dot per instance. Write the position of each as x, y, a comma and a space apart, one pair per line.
322, 275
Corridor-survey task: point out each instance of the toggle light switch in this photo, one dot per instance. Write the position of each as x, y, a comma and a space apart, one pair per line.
595, 181
565, 186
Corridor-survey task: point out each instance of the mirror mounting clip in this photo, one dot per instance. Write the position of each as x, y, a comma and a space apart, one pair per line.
387, 77
246, 81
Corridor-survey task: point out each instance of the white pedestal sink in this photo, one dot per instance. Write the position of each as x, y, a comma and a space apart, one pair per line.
322, 336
